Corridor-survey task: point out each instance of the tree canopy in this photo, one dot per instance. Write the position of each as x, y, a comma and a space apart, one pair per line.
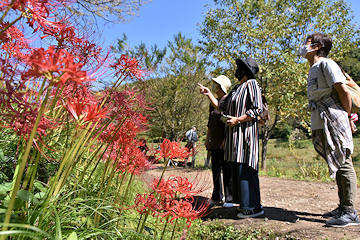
171, 85
174, 91
351, 64
115, 11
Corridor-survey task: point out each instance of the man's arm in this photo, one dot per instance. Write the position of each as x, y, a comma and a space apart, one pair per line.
345, 100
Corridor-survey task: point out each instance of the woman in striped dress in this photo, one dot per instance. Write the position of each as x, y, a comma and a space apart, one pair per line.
242, 106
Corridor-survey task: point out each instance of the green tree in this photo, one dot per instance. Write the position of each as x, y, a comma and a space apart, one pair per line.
149, 57
115, 11
173, 88
271, 32
351, 64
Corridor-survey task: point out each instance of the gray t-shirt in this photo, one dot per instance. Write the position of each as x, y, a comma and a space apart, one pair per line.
321, 78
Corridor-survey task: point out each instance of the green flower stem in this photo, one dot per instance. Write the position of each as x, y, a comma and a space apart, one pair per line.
92, 157
141, 215
156, 227
173, 232
55, 183
118, 81
120, 187
7, 11
163, 172
16, 171
32, 180
143, 224
24, 162
129, 184
97, 214
84, 135
97, 163
84, 149
10, 24
56, 97
163, 232
31, 169
112, 174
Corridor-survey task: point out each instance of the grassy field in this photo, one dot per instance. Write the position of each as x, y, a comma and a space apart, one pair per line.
297, 162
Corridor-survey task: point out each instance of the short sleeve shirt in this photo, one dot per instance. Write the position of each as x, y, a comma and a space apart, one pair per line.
322, 76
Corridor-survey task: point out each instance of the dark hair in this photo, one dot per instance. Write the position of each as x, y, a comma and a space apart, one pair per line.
324, 40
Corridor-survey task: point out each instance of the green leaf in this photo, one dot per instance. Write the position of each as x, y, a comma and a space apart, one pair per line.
73, 236
5, 187
58, 224
27, 196
1, 155
40, 186
6, 201
40, 195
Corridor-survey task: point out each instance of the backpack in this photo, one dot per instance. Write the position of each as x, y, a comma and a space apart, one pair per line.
264, 116
194, 137
354, 90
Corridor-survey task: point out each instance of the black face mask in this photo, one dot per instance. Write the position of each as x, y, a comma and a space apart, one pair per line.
239, 75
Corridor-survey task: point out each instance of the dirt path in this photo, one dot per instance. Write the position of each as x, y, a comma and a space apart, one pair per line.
291, 207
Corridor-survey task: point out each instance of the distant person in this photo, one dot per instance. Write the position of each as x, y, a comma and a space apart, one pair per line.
331, 124
242, 106
192, 138
143, 147
215, 141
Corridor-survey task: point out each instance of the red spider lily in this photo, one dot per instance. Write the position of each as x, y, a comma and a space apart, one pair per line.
172, 150
57, 65
18, 112
175, 198
132, 160
40, 12
124, 102
173, 187
184, 208
81, 109
128, 67
147, 203
125, 135
13, 41
94, 112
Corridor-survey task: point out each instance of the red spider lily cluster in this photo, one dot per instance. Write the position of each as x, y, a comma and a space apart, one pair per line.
172, 150
48, 101
64, 66
172, 198
58, 65
126, 66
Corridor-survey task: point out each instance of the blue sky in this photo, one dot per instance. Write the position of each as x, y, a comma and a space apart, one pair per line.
160, 20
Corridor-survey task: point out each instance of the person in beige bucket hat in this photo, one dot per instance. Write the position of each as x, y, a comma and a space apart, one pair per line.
215, 145
224, 83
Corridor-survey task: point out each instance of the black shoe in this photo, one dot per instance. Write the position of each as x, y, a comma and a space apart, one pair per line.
344, 219
332, 213
251, 213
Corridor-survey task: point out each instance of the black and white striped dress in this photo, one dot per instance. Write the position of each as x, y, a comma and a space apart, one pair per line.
242, 141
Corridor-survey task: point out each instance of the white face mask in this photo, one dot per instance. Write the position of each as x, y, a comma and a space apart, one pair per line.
304, 49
